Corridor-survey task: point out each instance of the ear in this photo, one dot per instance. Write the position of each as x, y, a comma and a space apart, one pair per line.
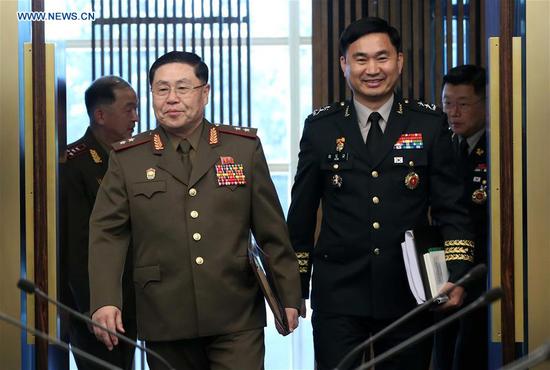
343, 64
400, 61
99, 116
206, 94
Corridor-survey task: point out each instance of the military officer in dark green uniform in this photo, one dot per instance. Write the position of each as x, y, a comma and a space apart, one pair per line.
111, 104
188, 194
376, 163
464, 344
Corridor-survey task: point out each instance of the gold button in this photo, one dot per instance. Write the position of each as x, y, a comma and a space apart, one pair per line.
376, 225
196, 237
335, 166
376, 251
484, 182
374, 174
375, 200
411, 163
199, 260
192, 192
194, 214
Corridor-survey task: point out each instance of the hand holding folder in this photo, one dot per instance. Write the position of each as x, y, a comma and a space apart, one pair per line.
260, 265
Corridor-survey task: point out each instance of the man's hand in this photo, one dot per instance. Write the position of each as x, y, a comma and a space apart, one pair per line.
110, 317
456, 296
303, 309
292, 318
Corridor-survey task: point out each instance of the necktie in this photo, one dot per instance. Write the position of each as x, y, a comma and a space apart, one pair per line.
184, 148
375, 135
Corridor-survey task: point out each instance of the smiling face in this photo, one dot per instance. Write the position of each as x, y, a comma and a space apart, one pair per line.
465, 109
372, 67
177, 113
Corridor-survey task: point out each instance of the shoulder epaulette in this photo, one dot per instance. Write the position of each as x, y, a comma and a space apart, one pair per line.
327, 110
237, 130
420, 106
76, 149
139, 139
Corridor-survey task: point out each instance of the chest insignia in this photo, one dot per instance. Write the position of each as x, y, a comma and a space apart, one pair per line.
479, 196
340, 144
409, 141
479, 152
230, 173
412, 179
95, 156
150, 173
336, 181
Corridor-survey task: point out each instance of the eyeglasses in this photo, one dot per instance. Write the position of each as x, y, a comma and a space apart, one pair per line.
461, 106
181, 90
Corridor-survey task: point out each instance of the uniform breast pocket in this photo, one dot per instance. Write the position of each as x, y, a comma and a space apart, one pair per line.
148, 189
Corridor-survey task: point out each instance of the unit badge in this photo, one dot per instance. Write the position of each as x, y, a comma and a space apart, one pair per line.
150, 173
336, 181
340, 144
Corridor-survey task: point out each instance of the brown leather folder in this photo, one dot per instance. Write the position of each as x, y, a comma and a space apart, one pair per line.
260, 265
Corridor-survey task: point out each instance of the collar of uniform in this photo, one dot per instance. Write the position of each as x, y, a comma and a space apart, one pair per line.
104, 147
193, 139
472, 140
363, 113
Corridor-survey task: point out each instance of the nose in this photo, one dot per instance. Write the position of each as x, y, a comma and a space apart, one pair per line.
372, 67
135, 116
172, 96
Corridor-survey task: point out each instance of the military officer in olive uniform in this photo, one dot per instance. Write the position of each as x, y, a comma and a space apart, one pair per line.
189, 194
464, 344
376, 163
111, 104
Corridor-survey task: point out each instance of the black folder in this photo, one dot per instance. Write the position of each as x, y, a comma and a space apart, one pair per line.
260, 264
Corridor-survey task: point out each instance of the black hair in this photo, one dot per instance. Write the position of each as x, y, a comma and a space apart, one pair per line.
184, 57
365, 26
467, 74
102, 91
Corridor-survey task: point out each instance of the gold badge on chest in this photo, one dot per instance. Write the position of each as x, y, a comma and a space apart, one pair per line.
150, 173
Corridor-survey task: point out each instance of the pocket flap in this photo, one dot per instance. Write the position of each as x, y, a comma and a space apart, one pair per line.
149, 188
146, 274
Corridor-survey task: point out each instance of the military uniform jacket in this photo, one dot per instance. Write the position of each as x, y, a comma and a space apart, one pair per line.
191, 271
368, 204
476, 195
81, 175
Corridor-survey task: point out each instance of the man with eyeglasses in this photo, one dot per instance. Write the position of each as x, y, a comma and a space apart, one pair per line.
463, 345
188, 194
